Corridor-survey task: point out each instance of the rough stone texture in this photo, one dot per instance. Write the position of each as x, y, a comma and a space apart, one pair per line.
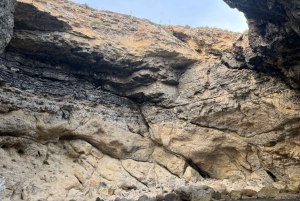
195, 193
287, 196
235, 195
249, 193
274, 35
172, 196
2, 187
268, 192
101, 105
6, 22
129, 56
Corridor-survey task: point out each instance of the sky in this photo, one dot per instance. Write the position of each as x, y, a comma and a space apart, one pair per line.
195, 13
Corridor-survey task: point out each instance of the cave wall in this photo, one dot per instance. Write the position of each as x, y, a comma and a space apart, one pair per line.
92, 111
274, 34
7, 22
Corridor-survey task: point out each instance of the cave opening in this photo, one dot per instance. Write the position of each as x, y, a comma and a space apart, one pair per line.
203, 173
205, 13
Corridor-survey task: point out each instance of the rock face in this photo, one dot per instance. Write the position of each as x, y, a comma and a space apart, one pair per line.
7, 22
98, 104
274, 34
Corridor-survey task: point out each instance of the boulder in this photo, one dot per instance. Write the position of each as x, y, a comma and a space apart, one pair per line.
235, 195
172, 197
146, 198
268, 192
196, 193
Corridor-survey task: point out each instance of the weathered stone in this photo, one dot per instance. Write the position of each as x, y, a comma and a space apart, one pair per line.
160, 197
123, 199
172, 197
194, 193
216, 195
274, 43
7, 8
219, 187
249, 193
192, 175
268, 192
150, 174
145, 198
173, 163
203, 194
287, 196
2, 186
235, 195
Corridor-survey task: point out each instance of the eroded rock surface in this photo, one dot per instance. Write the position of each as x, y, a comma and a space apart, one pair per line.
274, 35
98, 104
2, 186
7, 22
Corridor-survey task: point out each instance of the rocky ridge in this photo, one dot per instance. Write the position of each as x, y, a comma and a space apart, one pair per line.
99, 104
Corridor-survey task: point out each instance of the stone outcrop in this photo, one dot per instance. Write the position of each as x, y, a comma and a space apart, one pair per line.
7, 22
274, 34
99, 105
2, 187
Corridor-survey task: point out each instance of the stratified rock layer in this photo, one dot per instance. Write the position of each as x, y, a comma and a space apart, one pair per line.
98, 104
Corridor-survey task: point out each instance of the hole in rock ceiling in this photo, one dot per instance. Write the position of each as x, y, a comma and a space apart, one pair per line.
190, 13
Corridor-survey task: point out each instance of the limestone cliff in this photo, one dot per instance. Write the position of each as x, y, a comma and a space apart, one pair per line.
99, 104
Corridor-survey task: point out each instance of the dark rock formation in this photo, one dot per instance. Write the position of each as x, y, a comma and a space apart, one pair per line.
274, 36
6, 22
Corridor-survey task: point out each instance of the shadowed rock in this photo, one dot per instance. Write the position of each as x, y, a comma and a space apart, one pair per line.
274, 36
7, 8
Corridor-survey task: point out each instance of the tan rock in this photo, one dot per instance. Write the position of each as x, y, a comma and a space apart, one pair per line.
109, 139
192, 175
268, 192
151, 174
173, 163
235, 195
249, 193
